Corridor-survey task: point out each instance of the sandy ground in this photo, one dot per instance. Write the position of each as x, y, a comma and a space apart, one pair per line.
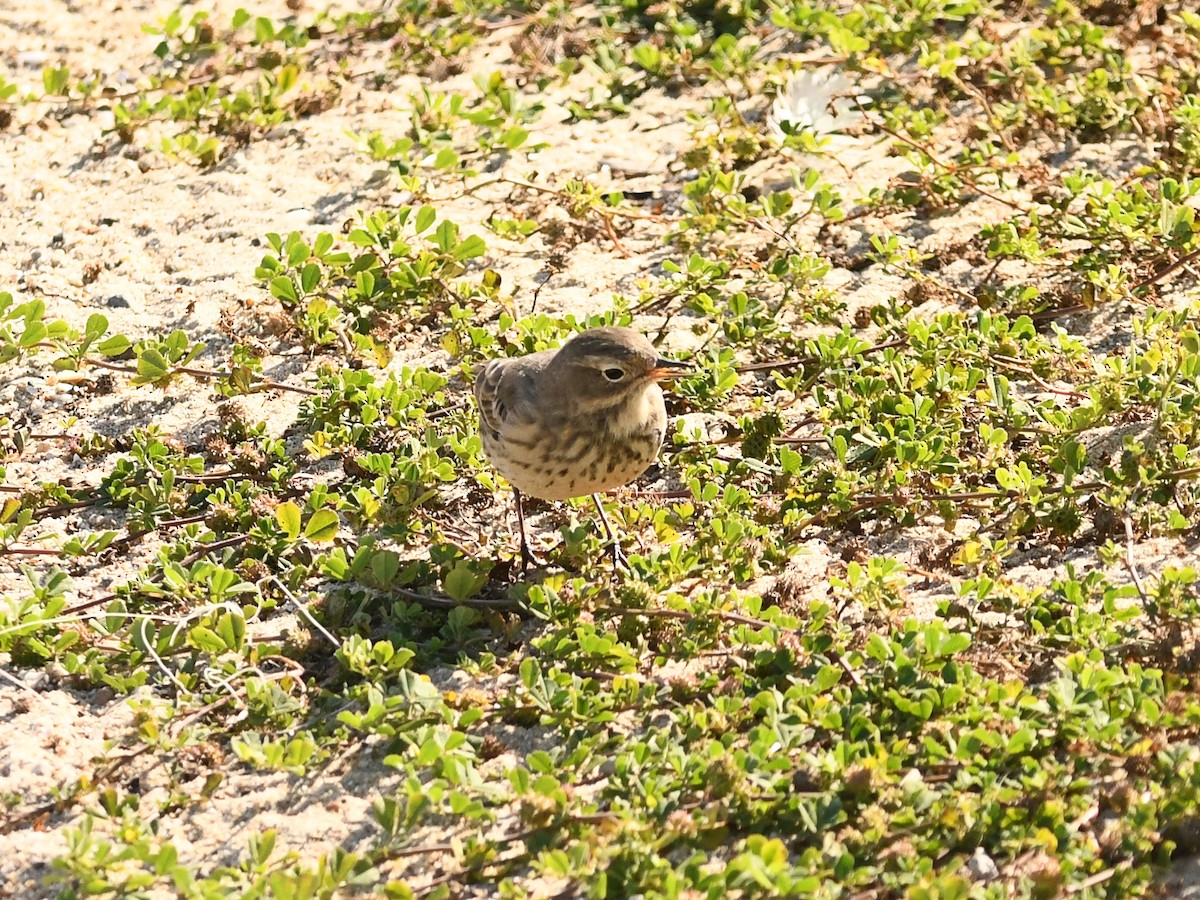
87, 224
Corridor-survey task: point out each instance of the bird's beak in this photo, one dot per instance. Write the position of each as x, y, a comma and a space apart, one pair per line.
665, 369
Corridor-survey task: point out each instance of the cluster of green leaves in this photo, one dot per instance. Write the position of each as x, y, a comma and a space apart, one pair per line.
25, 332
398, 274
194, 84
618, 735
783, 743
1125, 227
450, 133
430, 36
141, 861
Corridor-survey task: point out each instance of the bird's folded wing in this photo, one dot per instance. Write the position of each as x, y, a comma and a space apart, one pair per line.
500, 390
507, 393
487, 386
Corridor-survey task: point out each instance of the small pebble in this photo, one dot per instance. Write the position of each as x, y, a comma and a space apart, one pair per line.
982, 867
32, 59
103, 696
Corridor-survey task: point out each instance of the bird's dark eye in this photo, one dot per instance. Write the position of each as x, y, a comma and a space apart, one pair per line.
614, 374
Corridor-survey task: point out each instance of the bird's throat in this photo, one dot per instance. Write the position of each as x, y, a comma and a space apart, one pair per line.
635, 414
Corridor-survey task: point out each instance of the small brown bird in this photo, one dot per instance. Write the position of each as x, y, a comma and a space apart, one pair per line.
585, 418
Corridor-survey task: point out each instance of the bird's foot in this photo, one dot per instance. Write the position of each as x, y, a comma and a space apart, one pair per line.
619, 559
529, 559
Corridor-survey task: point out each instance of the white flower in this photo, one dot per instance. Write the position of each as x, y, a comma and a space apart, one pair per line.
820, 102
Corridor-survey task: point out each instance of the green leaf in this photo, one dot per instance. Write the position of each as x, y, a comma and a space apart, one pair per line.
283, 289
310, 277
9, 509
322, 245
55, 79
323, 526
195, 350
514, 137
287, 514
298, 253
446, 236
206, 639
231, 629
114, 346
152, 366
385, 566
1020, 741
96, 326
425, 217
34, 332
470, 248
462, 581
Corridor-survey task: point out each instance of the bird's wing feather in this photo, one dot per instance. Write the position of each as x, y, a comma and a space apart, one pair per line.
487, 389
505, 393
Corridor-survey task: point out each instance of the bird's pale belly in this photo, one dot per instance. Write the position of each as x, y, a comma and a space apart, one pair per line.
557, 468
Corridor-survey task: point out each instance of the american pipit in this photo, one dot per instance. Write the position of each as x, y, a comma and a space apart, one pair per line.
586, 418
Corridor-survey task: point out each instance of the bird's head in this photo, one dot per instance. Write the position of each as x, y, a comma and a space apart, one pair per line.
605, 367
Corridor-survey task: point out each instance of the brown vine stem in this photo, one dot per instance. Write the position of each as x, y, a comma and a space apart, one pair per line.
206, 477
440, 601
65, 507
725, 615
504, 840
606, 213
205, 549
1165, 271
1014, 365
775, 365
194, 371
120, 542
945, 166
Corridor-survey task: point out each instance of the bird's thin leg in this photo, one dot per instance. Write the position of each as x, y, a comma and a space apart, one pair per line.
527, 557
614, 547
